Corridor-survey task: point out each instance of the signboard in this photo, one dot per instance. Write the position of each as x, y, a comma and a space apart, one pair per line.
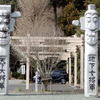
23, 69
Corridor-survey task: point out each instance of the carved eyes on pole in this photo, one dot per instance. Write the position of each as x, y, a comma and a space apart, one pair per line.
94, 19
88, 19
6, 21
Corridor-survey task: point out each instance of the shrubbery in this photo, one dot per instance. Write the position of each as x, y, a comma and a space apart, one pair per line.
17, 75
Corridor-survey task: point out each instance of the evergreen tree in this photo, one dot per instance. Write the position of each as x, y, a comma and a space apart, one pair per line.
69, 13
63, 3
65, 25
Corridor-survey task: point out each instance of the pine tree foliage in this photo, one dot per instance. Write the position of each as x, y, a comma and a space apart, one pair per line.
59, 3
63, 22
63, 3
69, 13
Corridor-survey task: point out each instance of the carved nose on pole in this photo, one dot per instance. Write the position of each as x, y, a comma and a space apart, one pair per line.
92, 26
3, 28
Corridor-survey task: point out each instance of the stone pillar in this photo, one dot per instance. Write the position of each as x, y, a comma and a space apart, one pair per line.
81, 63
75, 68
28, 61
36, 82
70, 77
91, 52
6, 26
90, 23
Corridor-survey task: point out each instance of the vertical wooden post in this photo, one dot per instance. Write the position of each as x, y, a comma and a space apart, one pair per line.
70, 77
28, 61
81, 63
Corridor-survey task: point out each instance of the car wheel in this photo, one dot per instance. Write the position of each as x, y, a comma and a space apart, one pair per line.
63, 81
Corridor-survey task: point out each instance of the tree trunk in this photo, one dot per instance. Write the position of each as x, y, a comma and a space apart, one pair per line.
45, 83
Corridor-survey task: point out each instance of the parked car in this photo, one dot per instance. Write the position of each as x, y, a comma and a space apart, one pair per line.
57, 76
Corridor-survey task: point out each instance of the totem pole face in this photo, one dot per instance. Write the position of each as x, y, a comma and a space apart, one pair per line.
4, 27
91, 25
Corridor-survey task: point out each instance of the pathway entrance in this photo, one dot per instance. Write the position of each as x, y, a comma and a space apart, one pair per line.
67, 49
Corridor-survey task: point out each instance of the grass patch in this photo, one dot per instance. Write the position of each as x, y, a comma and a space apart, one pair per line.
54, 91
19, 89
48, 91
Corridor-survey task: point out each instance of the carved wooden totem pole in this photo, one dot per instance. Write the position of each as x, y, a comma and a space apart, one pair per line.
90, 23
6, 26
